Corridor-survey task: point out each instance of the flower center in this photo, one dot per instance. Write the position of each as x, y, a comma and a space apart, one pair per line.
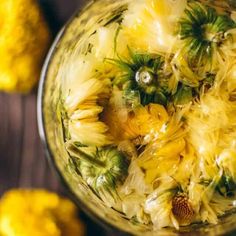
208, 33
144, 76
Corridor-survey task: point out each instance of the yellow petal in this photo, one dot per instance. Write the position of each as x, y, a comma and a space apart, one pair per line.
151, 175
172, 149
150, 164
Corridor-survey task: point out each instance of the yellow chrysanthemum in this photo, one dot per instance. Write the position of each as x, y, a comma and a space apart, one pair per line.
163, 155
150, 24
141, 122
164, 161
84, 110
215, 114
87, 85
38, 213
24, 40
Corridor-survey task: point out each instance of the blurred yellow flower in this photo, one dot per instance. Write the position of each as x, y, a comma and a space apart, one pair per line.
24, 40
38, 213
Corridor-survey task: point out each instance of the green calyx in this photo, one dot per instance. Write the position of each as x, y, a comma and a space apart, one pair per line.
183, 95
103, 168
203, 31
186, 93
142, 78
226, 186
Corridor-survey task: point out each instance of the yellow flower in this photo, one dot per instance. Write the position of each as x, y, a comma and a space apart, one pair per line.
84, 93
24, 40
163, 155
124, 125
227, 161
149, 119
38, 213
86, 82
149, 24
164, 160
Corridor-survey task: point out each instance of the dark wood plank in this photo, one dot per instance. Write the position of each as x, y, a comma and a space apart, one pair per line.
10, 126
22, 161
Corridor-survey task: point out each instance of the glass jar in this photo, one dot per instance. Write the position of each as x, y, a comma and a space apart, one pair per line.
50, 115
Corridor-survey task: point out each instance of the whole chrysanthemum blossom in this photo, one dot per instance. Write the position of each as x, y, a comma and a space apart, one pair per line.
38, 213
24, 40
87, 87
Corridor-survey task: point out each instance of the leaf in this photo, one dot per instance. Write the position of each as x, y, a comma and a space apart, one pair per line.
160, 98
226, 186
183, 95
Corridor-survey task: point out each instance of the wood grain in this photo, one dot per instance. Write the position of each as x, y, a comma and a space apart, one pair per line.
22, 161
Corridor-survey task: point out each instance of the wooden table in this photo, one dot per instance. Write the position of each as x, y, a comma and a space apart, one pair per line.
22, 160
